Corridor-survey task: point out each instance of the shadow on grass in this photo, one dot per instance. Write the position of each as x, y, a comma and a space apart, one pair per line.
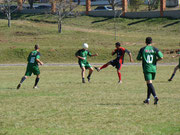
30, 17
101, 20
117, 104
171, 24
8, 88
133, 23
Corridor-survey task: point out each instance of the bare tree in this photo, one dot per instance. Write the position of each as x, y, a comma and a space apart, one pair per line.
63, 9
7, 9
135, 4
114, 3
153, 4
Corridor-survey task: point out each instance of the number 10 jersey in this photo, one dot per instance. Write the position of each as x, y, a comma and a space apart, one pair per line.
149, 56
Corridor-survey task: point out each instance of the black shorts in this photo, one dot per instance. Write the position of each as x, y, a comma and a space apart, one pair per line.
115, 63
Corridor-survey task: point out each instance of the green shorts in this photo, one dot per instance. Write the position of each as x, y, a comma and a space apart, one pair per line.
32, 69
149, 76
84, 64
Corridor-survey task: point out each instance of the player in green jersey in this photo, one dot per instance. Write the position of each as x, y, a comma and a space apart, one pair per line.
149, 56
176, 68
83, 63
32, 66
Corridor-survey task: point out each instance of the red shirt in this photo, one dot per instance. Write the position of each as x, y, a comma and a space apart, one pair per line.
120, 54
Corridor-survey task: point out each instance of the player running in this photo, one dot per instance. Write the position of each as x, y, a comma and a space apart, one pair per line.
176, 68
120, 51
83, 63
32, 66
149, 56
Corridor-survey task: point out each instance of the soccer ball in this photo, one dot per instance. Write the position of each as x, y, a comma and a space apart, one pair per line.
85, 45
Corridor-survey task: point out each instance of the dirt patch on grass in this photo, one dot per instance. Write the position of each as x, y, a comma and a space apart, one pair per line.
170, 51
20, 33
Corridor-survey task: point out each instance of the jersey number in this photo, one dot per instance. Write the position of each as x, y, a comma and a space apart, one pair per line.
149, 59
32, 60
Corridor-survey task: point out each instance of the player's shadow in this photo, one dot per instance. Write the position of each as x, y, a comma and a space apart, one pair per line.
8, 88
133, 23
171, 24
117, 104
98, 21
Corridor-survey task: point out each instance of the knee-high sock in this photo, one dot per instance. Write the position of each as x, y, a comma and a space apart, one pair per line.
104, 66
119, 75
152, 89
36, 81
148, 92
172, 76
23, 79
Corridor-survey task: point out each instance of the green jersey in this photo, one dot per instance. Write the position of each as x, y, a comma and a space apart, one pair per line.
33, 56
149, 55
83, 53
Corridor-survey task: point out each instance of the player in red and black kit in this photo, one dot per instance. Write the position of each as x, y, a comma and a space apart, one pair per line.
120, 51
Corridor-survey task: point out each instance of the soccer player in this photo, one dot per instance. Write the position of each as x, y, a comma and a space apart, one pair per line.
32, 66
120, 51
176, 68
149, 56
83, 63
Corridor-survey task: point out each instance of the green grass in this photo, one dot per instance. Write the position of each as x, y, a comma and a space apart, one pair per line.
16, 42
63, 105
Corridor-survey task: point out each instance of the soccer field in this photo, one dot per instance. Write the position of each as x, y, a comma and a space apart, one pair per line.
63, 105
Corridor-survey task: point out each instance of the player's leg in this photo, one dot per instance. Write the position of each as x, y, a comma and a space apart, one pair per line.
150, 88
22, 80
28, 73
90, 73
36, 81
118, 66
36, 72
82, 66
103, 66
149, 77
174, 72
83, 74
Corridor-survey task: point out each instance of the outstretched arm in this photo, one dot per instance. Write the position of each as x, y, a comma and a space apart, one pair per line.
40, 62
159, 59
130, 56
176, 56
96, 54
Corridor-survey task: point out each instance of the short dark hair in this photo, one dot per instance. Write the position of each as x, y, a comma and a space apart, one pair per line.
148, 40
36, 47
117, 43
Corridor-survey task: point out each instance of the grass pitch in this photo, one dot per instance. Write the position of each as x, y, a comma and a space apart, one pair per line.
63, 105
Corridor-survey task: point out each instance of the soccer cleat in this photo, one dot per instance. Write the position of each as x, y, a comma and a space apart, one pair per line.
97, 69
83, 81
146, 101
35, 87
169, 80
19, 85
120, 82
156, 101
88, 79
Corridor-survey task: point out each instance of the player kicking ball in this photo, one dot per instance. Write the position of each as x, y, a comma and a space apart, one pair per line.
176, 68
83, 63
119, 51
32, 66
149, 56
